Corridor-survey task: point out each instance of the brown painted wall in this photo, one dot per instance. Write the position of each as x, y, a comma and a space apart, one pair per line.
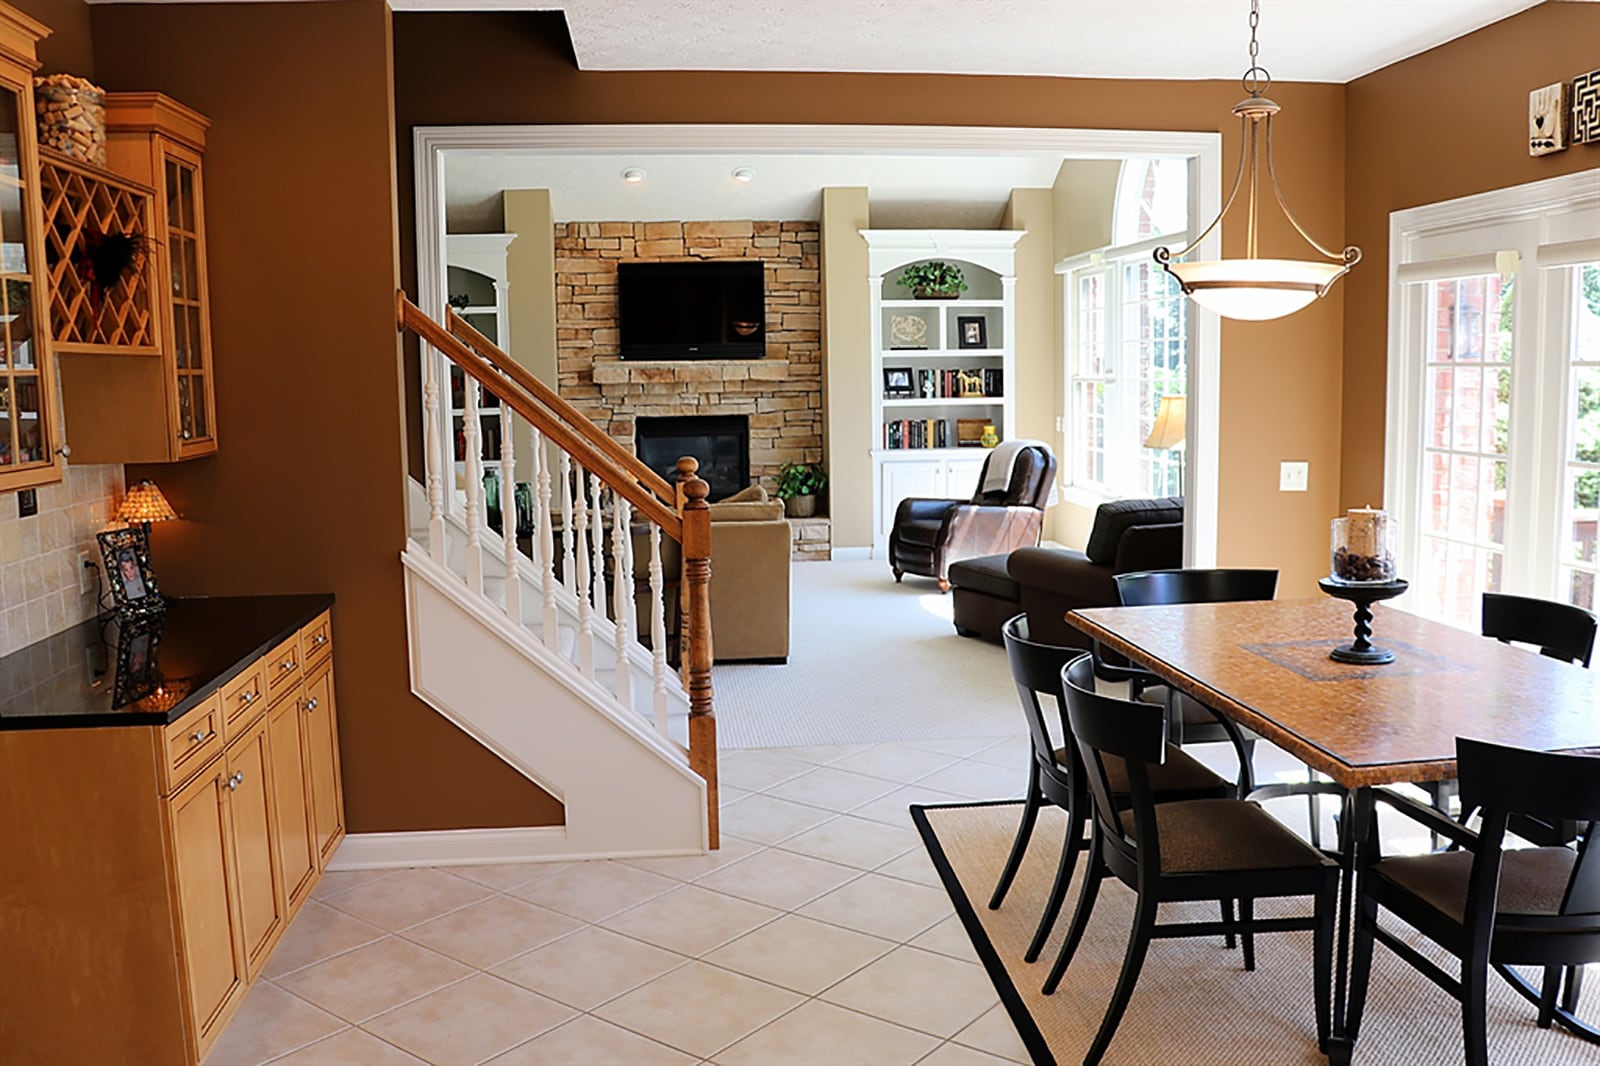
68, 49
1280, 380
1450, 122
305, 493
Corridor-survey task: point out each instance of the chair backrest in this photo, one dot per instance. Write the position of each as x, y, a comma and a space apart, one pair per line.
1559, 630
1134, 732
1031, 475
1036, 669
1504, 781
1151, 587
1113, 519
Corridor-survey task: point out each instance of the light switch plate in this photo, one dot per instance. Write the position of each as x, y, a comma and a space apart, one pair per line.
86, 572
1293, 477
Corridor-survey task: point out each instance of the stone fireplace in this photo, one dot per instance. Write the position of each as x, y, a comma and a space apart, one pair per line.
779, 396
720, 442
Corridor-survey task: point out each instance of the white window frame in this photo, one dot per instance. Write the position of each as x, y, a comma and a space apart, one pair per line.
1460, 238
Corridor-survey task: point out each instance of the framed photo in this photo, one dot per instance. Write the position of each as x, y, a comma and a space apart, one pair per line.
127, 560
897, 383
972, 331
138, 674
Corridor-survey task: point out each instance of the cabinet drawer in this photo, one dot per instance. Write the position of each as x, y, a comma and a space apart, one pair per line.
282, 667
244, 697
191, 742
316, 641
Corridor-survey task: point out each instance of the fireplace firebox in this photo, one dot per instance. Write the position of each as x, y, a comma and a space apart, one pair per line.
720, 442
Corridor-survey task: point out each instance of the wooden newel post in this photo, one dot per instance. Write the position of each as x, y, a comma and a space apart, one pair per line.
697, 632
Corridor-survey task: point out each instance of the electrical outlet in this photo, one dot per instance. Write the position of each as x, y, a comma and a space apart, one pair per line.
88, 572
1293, 477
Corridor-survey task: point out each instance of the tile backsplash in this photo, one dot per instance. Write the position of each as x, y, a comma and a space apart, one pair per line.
39, 564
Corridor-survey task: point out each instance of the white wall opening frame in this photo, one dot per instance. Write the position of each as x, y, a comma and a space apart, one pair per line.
1463, 237
433, 145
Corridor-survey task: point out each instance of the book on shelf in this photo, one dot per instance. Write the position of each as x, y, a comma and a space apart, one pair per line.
904, 434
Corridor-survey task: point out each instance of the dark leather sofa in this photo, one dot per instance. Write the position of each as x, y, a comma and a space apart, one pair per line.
1127, 535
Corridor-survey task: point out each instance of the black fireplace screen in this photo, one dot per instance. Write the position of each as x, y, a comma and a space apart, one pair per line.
720, 442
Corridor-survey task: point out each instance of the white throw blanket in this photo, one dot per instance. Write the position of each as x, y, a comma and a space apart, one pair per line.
1001, 462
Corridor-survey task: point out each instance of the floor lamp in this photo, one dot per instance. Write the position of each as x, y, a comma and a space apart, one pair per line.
1168, 431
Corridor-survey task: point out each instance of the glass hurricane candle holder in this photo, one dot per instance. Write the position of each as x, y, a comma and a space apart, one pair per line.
1362, 548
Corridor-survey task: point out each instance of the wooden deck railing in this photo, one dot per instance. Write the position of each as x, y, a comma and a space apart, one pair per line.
594, 476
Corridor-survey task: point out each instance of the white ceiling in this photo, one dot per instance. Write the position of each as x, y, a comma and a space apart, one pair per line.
940, 191
1301, 40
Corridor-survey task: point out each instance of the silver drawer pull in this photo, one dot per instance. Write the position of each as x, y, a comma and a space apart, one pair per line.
235, 780
319, 640
287, 664
200, 736
311, 704
248, 697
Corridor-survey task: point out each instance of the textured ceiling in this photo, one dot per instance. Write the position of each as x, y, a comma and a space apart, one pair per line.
1301, 40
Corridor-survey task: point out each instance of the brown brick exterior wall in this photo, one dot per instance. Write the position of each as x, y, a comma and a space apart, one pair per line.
782, 393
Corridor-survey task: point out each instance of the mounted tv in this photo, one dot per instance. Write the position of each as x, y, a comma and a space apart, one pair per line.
705, 310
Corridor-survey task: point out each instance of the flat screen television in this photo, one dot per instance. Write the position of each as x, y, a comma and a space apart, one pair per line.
705, 310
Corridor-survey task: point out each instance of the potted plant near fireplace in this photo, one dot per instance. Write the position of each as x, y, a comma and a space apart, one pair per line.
798, 485
933, 280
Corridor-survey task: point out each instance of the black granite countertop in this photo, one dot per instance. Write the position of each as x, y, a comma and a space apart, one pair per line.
111, 671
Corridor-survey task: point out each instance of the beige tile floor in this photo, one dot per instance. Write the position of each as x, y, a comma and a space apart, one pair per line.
818, 934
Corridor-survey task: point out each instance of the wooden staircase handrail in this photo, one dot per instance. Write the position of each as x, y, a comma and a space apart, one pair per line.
563, 435
463, 330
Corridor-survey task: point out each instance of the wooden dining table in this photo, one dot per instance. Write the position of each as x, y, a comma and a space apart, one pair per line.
1265, 665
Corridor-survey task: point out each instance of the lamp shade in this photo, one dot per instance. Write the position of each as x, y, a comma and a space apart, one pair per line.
1255, 289
1168, 430
144, 503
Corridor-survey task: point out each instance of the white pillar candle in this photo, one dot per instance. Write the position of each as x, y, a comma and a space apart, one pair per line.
1366, 531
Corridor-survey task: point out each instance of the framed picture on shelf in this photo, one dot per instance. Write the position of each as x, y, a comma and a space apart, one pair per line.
972, 331
925, 384
897, 383
127, 560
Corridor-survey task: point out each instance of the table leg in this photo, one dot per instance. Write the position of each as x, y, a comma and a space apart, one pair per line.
1354, 829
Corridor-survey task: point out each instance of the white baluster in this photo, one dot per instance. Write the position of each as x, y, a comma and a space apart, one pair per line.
597, 548
568, 523
473, 431
658, 632
508, 513
622, 595
546, 542
582, 586
433, 458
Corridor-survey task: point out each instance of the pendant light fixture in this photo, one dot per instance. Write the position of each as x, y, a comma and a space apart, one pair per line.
1253, 287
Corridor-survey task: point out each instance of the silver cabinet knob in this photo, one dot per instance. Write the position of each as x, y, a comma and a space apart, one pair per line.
235, 780
287, 664
319, 640
311, 704
248, 697
199, 736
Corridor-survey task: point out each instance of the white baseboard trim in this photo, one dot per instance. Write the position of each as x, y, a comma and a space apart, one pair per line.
467, 847
852, 554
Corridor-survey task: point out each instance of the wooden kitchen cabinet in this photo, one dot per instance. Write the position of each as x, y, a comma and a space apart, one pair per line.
322, 764
161, 408
255, 845
212, 945
291, 803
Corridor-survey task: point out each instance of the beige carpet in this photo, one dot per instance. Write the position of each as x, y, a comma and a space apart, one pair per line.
1195, 1004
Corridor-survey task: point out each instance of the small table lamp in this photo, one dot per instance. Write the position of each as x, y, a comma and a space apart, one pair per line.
143, 505
1168, 431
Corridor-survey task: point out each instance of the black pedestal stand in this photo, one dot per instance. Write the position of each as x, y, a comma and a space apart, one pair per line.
1361, 652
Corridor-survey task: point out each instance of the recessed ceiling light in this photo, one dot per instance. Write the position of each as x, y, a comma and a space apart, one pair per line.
744, 175
633, 175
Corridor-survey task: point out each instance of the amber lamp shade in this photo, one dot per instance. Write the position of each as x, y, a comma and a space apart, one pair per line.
144, 504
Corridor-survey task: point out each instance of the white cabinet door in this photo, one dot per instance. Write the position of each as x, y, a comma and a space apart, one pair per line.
903, 478
961, 476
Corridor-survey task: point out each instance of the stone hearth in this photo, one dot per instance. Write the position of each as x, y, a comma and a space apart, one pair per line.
781, 394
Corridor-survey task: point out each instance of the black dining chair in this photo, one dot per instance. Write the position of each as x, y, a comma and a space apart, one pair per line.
1185, 850
1055, 771
1192, 721
1488, 906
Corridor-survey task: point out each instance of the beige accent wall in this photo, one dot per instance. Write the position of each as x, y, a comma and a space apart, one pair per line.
847, 384
1037, 350
530, 272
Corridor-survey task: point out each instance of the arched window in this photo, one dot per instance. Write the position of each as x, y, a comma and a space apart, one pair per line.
1152, 200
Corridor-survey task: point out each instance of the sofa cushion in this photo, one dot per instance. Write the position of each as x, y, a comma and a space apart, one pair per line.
748, 494
1113, 518
919, 531
746, 512
986, 574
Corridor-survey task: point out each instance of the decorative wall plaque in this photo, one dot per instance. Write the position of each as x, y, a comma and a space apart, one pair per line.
1547, 115
1585, 126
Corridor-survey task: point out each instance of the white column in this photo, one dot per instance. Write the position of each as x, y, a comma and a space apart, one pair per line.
433, 457
473, 431
508, 514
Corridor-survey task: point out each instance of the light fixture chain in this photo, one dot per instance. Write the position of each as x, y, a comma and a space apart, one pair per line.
1256, 80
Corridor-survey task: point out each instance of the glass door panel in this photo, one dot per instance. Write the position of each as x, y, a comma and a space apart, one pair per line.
1581, 498
1467, 400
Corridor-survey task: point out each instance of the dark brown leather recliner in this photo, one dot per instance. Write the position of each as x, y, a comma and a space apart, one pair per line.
929, 535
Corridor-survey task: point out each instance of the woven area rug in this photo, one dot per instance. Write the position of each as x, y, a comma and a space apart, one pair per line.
1194, 1003
869, 661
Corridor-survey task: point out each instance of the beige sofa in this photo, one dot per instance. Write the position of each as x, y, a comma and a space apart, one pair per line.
750, 543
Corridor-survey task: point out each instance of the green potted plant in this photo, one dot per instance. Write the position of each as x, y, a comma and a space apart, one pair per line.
798, 485
933, 280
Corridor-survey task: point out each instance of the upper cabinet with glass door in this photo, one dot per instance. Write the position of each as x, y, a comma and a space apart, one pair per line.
28, 423
165, 410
